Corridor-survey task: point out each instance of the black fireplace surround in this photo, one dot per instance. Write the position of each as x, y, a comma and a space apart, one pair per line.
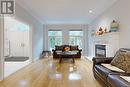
100, 50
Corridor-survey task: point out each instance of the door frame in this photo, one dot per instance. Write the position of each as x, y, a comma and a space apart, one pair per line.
2, 45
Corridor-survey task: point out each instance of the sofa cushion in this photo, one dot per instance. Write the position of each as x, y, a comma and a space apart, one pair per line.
59, 51
122, 60
113, 68
75, 51
74, 47
127, 78
102, 71
58, 47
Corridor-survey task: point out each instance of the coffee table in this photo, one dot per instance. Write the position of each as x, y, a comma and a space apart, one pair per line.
65, 54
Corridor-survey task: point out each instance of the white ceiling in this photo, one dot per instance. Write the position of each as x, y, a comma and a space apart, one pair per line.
66, 11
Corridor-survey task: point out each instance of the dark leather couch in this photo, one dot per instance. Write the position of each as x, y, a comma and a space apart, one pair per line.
62, 48
116, 81
107, 77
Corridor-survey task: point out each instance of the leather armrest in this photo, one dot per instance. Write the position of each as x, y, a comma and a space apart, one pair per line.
120, 73
98, 60
80, 50
126, 74
53, 50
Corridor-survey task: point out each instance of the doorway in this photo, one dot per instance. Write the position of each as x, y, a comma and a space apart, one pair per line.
16, 45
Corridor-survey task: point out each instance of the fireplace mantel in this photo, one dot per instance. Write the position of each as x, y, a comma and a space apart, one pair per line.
111, 40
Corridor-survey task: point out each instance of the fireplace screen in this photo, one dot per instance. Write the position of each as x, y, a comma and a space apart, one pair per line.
100, 50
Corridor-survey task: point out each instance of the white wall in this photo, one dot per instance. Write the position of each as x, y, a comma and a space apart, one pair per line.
119, 12
37, 34
65, 29
37, 30
15, 37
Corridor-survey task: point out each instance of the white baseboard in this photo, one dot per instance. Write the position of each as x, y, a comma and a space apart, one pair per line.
35, 59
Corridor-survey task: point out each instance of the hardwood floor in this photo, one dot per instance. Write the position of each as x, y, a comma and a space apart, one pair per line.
49, 73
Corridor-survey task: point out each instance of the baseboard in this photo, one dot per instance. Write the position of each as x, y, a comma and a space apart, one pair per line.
35, 59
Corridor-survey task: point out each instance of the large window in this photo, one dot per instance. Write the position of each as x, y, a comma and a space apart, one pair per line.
55, 38
76, 38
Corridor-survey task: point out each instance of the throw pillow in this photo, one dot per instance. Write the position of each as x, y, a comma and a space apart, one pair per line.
74, 47
67, 48
59, 47
122, 60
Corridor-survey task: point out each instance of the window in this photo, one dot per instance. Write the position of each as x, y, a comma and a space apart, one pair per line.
55, 38
76, 38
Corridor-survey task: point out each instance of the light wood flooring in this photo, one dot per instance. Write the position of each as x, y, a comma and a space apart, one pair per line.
49, 73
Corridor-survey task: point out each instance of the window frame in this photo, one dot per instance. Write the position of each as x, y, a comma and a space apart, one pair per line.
76, 37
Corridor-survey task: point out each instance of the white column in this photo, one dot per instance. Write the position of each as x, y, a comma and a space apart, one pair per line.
46, 37
85, 40
65, 36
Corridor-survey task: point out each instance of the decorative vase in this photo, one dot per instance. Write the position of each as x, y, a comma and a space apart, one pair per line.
114, 26
100, 31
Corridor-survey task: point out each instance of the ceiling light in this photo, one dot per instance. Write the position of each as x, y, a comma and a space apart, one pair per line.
90, 11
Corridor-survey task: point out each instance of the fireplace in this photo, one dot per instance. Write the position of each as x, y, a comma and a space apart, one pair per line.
100, 50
